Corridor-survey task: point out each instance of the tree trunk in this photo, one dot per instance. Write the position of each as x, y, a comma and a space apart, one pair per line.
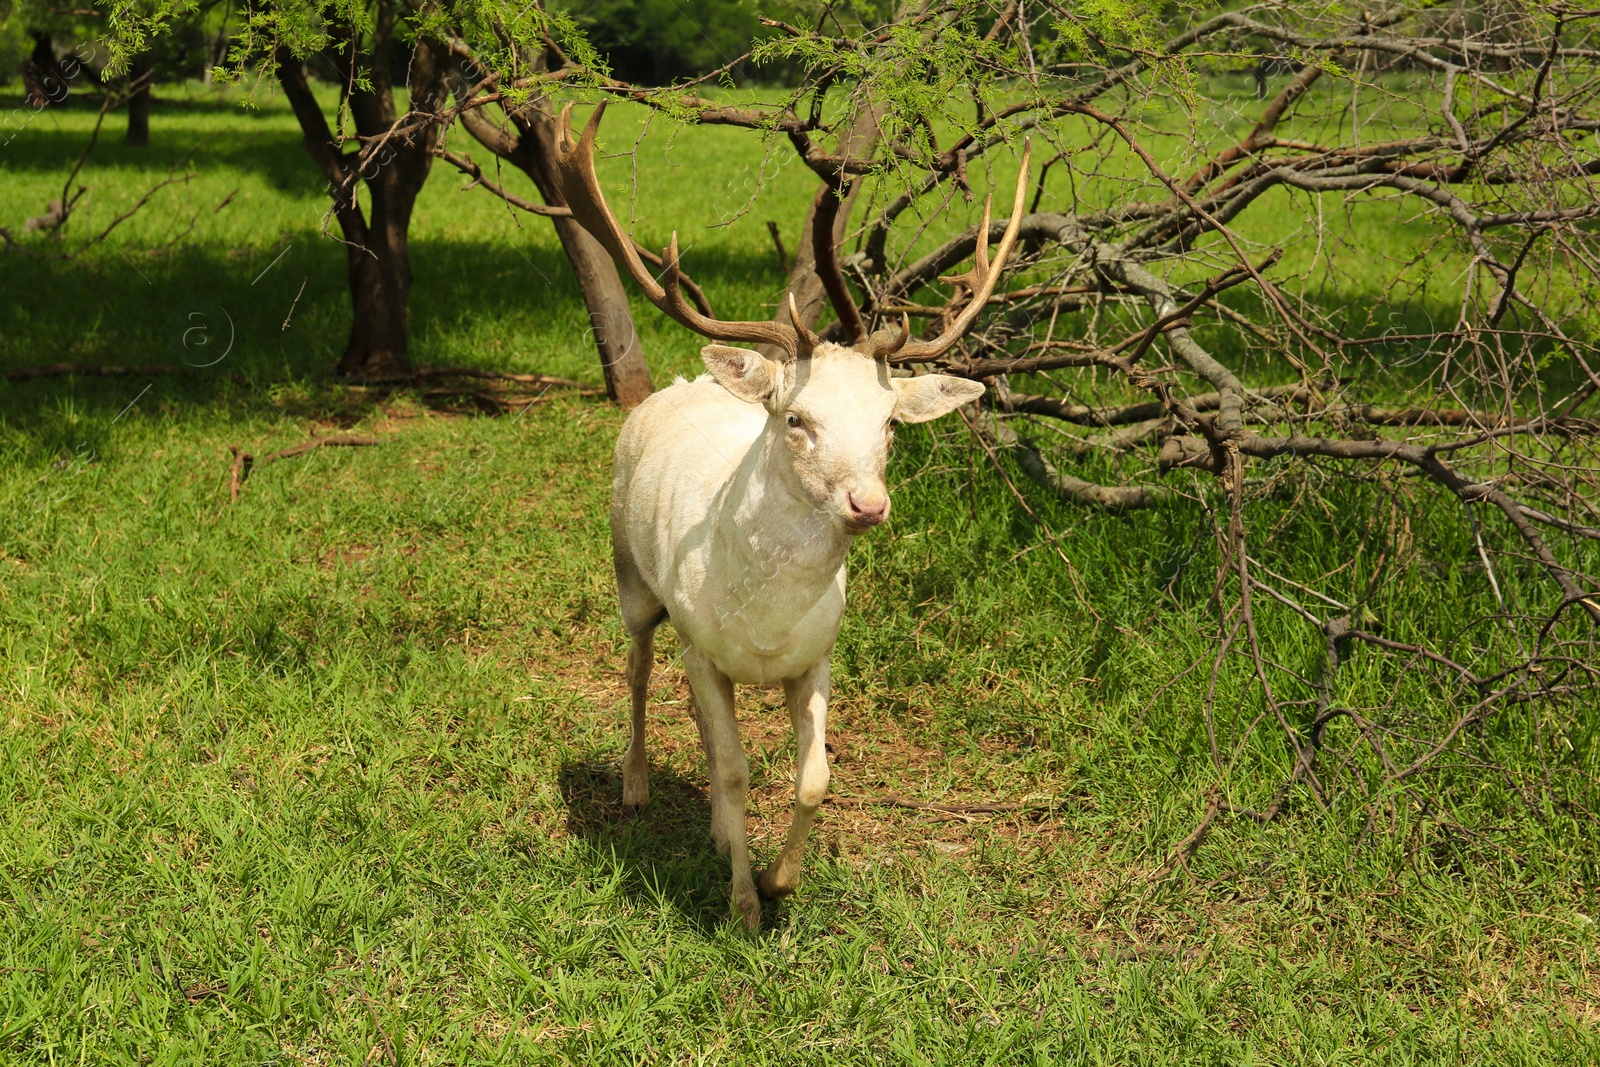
140, 75
379, 270
804, 283
44, 82
376, 247
610, 316
532, 151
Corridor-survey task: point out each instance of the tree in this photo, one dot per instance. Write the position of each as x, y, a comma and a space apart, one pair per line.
150, 45
394, 64
45, 81
376, 239
185, 47
140, 75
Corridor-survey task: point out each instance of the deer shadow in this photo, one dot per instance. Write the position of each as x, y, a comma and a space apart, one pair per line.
664, 849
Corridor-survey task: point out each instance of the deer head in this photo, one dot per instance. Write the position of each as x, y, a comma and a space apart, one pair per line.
831, 408
831, 419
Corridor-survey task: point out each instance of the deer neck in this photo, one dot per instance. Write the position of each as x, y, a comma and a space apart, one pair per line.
775, 529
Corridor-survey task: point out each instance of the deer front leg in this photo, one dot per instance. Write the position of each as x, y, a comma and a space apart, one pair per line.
730, 773
808, 710
635, 767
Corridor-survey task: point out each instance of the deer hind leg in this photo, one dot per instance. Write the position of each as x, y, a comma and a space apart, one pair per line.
641, 614
730, 776
635, 764
808, 709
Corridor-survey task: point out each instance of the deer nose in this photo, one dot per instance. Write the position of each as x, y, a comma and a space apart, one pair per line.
867, 513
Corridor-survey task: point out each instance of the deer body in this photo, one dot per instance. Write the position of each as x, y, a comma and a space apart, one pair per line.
748, 573
735, 498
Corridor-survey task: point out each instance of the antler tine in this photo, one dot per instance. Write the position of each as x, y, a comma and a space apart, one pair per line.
671, 280
808, 340
884, 349
980, 257
581, 188
982, 277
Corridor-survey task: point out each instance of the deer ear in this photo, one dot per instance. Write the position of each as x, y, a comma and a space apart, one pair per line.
931, 395
747, 375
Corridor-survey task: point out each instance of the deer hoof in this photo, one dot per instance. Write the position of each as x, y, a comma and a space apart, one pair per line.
747, 908
771, 887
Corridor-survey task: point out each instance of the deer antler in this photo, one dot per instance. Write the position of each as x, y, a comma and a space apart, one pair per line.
981, 279
824, 213
581, 188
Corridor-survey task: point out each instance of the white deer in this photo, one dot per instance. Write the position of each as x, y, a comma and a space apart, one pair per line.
734, 501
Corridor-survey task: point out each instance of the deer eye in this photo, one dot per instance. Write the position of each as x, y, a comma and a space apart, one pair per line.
795, 421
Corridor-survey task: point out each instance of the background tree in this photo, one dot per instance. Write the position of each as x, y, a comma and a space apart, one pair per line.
65, 48
185, 49
361, 44
50, 48
45, 81
392, 65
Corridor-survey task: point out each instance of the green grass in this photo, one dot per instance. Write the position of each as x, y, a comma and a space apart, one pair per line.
331, 771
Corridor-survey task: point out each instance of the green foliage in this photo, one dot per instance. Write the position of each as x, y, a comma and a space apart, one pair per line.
131, 27
919, 76
104, 38
1111, 25
657, 42
504, 33
1118, 30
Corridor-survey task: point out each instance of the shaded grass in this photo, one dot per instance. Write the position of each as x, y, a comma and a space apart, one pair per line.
331, 771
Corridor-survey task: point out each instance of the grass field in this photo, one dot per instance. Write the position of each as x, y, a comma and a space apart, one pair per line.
329, 775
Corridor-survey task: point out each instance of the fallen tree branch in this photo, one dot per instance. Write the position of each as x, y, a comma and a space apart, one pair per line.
244, 462
336, 441
1189, 451
430, 373
892, 800
1187, 847
1087, 415
1073, 490
89, 370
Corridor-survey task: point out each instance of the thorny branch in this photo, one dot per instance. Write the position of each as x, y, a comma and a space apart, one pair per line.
1332, 383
